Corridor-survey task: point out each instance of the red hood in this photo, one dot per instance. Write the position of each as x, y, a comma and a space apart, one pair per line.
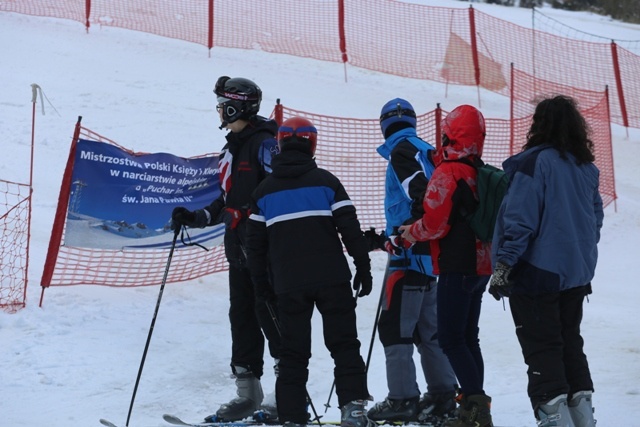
465, 128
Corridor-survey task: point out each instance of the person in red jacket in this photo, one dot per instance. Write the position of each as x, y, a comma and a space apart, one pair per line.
461, 260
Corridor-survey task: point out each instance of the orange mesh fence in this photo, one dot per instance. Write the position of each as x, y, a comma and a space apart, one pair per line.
75, 10
347, 147
14, 226
594, 106
450, 45
184, 19
407, 40
629, 87
302, 28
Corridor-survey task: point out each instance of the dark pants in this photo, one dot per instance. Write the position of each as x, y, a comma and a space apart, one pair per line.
548, 329
337, 306
459, 303
249, 318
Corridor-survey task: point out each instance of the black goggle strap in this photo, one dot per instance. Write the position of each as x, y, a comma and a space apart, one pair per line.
399, 112
301, 133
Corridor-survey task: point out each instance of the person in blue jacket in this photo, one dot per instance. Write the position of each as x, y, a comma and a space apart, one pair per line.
408, 315
545, 254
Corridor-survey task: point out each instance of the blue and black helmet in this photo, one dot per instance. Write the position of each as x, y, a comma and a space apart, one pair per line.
395, 115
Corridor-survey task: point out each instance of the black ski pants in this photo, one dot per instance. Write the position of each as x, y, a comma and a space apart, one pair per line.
548, 329
336, 305
249, 318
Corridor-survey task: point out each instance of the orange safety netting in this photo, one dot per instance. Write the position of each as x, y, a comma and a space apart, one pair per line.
449, 45
346, 147
15, 200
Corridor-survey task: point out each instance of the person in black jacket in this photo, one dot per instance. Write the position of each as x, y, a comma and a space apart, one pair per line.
300, 217
244, 162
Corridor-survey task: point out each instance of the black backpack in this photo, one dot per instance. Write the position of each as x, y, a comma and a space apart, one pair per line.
492, 184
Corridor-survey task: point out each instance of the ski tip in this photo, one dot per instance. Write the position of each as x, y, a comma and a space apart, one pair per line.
172, 419
107, 423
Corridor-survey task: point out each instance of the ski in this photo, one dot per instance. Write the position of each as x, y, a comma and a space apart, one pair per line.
172, 419
107, 423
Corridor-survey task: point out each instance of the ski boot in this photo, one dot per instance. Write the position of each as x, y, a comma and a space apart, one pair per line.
474, 411
248, 401
267, 414
353, 414
554, 413
395, 410
435, 408
581, 409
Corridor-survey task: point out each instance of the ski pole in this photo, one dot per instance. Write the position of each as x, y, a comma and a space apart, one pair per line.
277, 325
375, 324
153, 322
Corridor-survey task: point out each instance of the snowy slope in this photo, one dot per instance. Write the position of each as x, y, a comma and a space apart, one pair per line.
76, 359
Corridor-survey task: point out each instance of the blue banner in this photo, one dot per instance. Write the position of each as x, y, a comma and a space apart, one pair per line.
119, 200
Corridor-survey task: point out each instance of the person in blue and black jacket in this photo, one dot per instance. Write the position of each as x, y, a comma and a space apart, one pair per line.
408, 315
300, 217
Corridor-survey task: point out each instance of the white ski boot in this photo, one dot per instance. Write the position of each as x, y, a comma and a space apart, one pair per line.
248, 401
555, 413
581, 409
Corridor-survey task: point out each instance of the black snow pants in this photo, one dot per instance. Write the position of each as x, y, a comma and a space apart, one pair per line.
249, 318
548, 329
336, 305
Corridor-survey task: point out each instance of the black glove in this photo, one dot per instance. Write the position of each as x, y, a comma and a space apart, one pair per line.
182, 216
362, 281
499, 286
375, 240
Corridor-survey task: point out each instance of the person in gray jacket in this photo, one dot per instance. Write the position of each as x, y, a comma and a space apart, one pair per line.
545, 253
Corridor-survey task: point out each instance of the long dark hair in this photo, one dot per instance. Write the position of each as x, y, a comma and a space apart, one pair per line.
558, 122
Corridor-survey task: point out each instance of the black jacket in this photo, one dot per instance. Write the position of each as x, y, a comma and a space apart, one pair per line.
299, 214
244, 162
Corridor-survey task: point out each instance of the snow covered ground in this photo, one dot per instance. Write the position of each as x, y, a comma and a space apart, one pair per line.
75, 360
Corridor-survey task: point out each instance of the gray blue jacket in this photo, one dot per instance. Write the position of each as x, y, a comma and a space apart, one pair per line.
549, 223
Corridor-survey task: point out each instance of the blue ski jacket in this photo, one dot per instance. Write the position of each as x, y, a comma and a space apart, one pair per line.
407, 176
549, 222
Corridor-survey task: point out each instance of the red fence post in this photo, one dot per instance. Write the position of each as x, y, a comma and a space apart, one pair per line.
474, 45
210, 27
616, 71
278, 112
615, 196
511, 113
87, 9
343, 39
61, 214
438, 130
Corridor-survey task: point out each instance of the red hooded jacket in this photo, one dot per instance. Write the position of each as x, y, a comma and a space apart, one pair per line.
454, 246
